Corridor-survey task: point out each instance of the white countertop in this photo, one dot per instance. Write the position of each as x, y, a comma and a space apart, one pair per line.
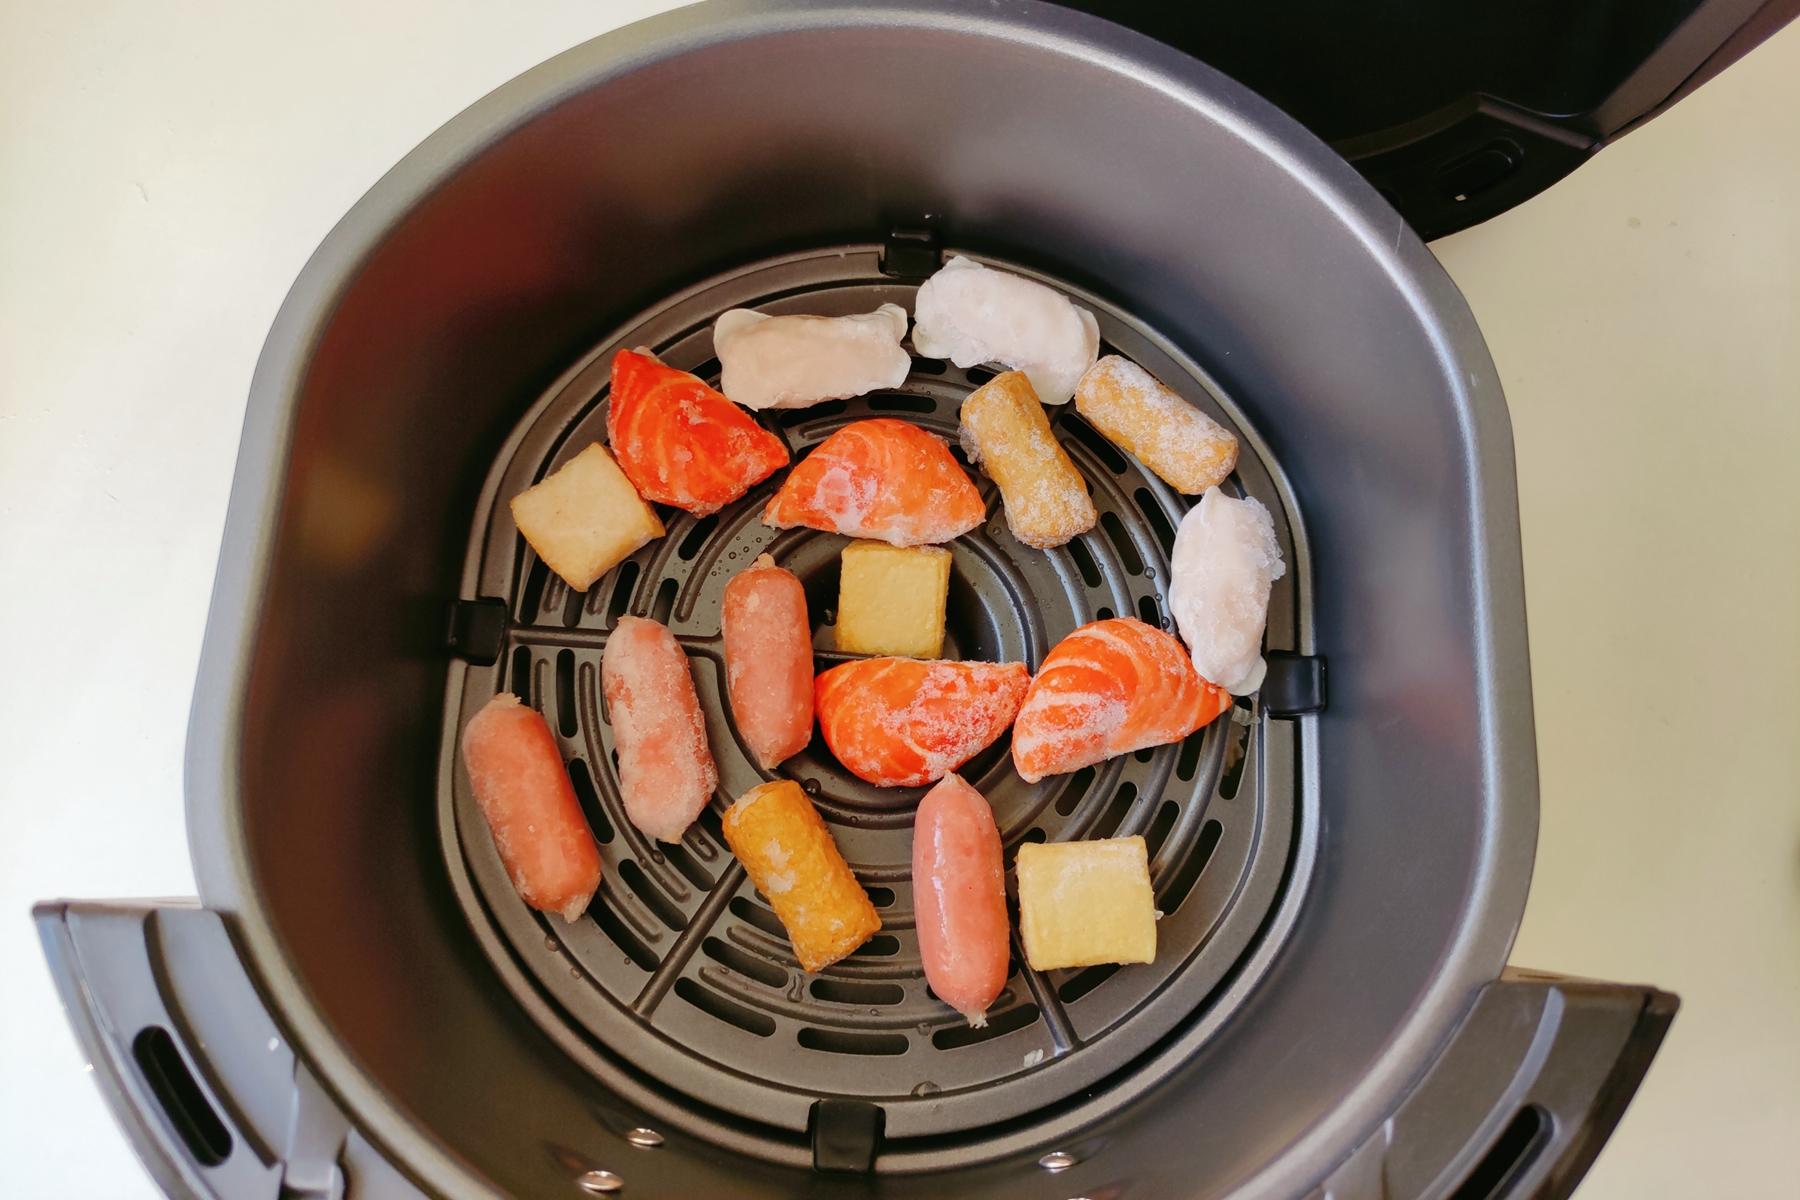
166, 169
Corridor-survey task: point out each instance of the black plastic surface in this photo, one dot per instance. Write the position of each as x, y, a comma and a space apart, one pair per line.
845, 1135
1459, 111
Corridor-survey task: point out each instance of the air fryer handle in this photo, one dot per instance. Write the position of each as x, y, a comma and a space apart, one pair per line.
202, 1082
1521, 1100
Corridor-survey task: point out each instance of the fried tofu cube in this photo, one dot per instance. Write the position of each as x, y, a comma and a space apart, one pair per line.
585, 518
891, 599
1083, 903
1006, 431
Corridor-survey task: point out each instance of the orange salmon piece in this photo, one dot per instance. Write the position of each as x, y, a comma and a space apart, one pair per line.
883, 479
1110, 688
682, 443
903, 722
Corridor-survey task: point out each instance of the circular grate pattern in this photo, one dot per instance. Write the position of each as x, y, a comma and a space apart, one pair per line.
680, 968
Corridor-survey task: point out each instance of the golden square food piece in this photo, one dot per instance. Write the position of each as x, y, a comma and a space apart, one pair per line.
1006, 431
891, 599
1082, 903
585, 518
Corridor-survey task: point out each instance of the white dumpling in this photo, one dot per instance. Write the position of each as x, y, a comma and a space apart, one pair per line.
971, 314
1226, 557
797, 361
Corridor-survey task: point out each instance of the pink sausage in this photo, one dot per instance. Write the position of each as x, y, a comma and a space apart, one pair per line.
525, 796
959, 897
666, 771
768, 660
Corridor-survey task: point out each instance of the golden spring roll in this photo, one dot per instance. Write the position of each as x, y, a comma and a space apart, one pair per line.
782, 841
1004, 429
1190, 450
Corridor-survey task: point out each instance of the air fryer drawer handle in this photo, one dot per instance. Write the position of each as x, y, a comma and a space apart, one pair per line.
213, 1100
1522, 1098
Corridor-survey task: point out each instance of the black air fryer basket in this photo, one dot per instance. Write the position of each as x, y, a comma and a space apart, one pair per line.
359, 1004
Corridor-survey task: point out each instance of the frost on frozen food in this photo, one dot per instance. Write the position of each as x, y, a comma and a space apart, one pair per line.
1188, 449
798, 361
881, 478
666, 771
1109, 688
1226, 557
768, 660
972, 314
959, 898
1007, 434
902, 722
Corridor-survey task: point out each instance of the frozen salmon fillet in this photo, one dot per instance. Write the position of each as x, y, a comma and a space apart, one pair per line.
959, 898
1109, 688
883, 479
666, 771
525, 796
903, 722
769, 660
682, 443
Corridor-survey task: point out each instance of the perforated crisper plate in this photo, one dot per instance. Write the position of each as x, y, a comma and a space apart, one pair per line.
679, 973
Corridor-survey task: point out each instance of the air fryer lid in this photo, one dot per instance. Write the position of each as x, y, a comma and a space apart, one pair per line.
591, 201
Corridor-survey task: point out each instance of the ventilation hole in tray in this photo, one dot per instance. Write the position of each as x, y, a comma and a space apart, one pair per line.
842, 1041
1160, 825
623, 582
1120, 537
518, 677
799, 416
1114, 816
1237, 753
708, 370
571, 609
929, 366
1149, 611
906, 404
696, 537
751, 913
850, 991
1084, 561
1103, 613
728, 1011
1159, 520
1188, 873
998, 1025
881, 897
189, 1111
1189, 761
882, 945
664, 603
979, 375
534, 589
1144, 755
1084, 981
684, 862
1078, 786
744, 963
565, 693
1090, 437
583, 780
621, 934
651, 895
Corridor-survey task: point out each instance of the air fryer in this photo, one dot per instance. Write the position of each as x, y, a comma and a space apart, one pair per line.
359, 1005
